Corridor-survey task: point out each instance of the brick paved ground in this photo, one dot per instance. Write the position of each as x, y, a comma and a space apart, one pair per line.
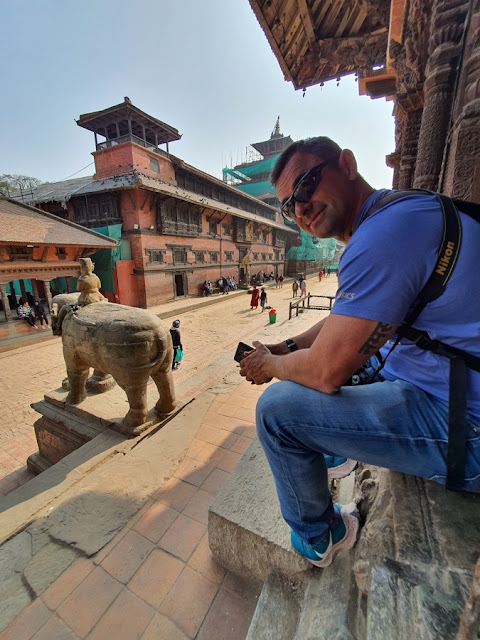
156, 579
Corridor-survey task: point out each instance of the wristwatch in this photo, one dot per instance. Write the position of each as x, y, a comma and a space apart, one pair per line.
292, 346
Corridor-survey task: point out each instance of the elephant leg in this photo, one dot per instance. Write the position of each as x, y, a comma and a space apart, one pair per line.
137, 400
77, 380
100, 382
166, 391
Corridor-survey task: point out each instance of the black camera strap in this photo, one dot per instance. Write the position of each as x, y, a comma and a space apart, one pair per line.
459, 360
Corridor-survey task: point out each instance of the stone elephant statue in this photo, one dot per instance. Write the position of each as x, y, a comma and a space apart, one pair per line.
62, 299
126, 343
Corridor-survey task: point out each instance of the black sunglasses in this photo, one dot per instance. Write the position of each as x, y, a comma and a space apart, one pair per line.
304, 190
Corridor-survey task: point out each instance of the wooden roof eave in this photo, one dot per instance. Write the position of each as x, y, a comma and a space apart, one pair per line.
325, 70
100, 119
209, 203
108, 243
297, 47
271, 40
95, 247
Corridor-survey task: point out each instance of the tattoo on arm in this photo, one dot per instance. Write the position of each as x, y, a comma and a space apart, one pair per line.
380, 333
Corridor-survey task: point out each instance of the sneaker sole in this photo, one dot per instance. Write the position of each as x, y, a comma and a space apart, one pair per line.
343, 470
351, 525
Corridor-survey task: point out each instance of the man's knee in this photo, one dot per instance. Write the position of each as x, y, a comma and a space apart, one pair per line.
272, 404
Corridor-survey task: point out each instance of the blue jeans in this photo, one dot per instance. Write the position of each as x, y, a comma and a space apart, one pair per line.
388, 424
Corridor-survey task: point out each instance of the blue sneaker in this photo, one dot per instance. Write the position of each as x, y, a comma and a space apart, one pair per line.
342, 534
339, 467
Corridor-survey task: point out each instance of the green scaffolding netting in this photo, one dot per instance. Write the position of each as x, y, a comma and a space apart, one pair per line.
315, 249
105, 259
255, 188
248, 171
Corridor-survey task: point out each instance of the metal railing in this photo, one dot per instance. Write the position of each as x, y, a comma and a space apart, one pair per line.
305, 303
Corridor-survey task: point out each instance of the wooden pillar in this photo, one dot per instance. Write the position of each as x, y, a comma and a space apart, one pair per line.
23, 291
117, 129
440, 76
67, 280
96, 141
48, 294
35, 289
12, 291
5, 303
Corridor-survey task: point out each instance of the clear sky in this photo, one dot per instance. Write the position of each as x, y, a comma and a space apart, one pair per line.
202, 66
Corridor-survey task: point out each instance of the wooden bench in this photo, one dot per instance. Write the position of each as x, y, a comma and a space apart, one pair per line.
301, 304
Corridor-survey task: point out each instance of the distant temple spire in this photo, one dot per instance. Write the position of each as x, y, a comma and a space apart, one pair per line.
276, 130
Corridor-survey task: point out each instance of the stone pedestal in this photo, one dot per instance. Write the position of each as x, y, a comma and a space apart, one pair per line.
63, 428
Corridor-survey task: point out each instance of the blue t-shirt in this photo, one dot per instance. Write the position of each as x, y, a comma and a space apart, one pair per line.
386, 263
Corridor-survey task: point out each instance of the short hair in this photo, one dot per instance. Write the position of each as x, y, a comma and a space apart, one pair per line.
320, 146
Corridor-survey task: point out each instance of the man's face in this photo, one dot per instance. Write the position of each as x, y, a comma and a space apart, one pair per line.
326, 214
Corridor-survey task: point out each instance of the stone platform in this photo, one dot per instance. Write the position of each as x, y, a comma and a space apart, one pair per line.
63, 428
74, 508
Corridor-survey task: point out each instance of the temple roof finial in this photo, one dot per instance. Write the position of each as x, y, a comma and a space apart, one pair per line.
276, 130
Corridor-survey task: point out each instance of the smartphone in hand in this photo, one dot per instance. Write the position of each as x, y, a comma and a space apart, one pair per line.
241, 350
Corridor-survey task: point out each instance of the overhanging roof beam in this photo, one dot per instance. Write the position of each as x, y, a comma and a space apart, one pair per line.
332, 15
271, 38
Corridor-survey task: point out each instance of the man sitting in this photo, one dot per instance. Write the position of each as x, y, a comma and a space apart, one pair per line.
25, 312
401, 423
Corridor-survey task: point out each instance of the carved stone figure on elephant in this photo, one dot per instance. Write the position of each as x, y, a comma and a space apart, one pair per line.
127, 343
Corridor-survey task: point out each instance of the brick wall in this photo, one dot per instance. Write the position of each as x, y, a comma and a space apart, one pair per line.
124, 158
153, 253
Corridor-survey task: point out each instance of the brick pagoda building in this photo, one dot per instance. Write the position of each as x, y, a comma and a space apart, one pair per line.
178, 226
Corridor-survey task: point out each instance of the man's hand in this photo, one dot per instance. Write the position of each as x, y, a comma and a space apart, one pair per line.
255, 366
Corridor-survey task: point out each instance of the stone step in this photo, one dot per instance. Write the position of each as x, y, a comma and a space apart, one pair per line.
278, 609
325, 607
246, 530
248, 535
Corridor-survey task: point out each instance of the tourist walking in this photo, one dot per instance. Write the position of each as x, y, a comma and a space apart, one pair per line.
294, 288
254, 298
320, 275
263, 299
303, 288
277, 281
226, 286
177, 344
281, 279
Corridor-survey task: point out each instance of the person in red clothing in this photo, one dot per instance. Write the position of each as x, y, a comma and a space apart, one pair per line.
255, 297
320, 275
